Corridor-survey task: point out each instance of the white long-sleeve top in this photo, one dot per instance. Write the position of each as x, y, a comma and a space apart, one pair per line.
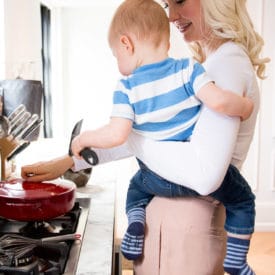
217, 140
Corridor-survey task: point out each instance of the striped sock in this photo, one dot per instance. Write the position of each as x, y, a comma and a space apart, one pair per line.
235, 262
132, 242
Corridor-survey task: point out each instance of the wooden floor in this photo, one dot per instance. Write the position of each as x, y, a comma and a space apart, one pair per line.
261, 254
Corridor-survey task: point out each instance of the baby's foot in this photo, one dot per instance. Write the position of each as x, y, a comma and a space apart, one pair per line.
132, 243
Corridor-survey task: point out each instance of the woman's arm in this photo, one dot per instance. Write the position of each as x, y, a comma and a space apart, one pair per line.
47, 170
200, 164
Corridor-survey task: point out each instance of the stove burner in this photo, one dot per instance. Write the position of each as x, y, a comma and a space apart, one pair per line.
37, 228
15, 256
31, 269
49, 267
50, 258
61, 225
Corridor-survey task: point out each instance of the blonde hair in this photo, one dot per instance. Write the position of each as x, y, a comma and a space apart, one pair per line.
229, 21
146, 19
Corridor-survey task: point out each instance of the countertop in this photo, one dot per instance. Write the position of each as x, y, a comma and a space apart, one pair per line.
97, 245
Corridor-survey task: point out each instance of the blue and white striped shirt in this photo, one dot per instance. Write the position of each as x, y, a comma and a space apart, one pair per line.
160, 98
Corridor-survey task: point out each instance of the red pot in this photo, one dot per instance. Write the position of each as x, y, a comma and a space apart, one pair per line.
35, 201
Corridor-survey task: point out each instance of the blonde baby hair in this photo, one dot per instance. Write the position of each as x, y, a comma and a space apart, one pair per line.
146, 19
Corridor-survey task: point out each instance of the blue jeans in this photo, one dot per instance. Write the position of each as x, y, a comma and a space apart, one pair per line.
234, 192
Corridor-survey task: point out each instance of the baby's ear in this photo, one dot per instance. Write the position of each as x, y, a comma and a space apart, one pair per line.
127, 43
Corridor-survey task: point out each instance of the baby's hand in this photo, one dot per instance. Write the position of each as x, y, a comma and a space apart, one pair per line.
248, 108
76, 147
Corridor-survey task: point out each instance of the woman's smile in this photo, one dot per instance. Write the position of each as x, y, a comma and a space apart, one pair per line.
182, 27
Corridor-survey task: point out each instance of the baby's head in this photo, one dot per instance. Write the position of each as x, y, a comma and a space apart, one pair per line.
144, 21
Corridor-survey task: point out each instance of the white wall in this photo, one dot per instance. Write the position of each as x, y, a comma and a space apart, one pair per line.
82, 60
265, 181
87, 67
22, 43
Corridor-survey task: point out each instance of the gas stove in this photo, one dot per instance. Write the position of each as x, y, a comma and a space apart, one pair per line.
51, 258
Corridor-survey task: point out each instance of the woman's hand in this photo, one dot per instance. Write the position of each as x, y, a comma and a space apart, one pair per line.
46, 170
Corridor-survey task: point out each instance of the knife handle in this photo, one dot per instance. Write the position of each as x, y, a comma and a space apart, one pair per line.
90, 156
19, 149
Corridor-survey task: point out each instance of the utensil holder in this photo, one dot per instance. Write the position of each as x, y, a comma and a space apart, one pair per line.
7, 145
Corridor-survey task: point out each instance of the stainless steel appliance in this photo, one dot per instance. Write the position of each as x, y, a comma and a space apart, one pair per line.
49, 258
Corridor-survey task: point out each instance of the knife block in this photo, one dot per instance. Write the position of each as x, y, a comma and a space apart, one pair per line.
7, 145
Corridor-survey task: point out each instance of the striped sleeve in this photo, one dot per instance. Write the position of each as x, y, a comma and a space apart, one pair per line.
121, 104
197, 76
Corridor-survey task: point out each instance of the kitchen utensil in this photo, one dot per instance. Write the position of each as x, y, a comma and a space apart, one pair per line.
16, 118
18, 110
4, 126
18, 149
15, 257
7, 145
23, 92
14, 122
28, 125
20, 124
35, 201
88, 154
80, 178
8, 241
12, 246
31, 129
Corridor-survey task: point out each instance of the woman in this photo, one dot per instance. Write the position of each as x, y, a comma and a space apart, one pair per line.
221, 35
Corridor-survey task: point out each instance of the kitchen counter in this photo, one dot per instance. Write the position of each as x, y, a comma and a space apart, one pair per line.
97, 245
96, 253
